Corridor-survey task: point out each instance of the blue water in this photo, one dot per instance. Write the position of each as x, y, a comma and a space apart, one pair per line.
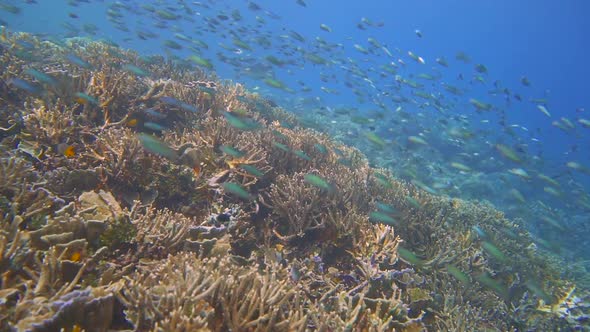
546, 41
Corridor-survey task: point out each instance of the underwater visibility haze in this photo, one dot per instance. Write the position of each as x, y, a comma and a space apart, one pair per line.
308, 165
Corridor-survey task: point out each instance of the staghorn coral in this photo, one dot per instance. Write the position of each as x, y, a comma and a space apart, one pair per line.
299, 208
343, 311
14, 173
50, 124
190, 293
121, 156
114, 89
380, 243
441, 231
463, 317
14, 254
116, 228
266, 302
22, 195
172, 294
130, 172
160, 232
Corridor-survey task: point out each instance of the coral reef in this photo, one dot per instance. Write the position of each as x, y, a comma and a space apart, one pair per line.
232, 217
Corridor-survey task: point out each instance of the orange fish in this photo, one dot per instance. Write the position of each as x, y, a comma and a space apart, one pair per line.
75, 257
70, 151
67, 150
197, 170
132, 123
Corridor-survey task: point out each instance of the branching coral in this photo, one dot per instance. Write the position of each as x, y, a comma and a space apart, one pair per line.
13, 176
160, 232
114, 90
113, 226
188, 292
345, 312
14, 254
265, 303
172, 294
297, 207
20, 194
50, 124
120, 153
379, 244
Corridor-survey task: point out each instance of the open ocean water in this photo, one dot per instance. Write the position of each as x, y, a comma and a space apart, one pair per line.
482, 101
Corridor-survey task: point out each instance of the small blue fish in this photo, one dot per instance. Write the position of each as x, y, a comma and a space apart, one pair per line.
230, 150
41, 77
206, 89
245, 124
281, 146
83, 98
73, 59
170, 101
383, 180
238, 190
302, 155
25, 85
295, 273
318, 182
480, 232
385, 208
25, 44
154, 114
280, 135
154, 126
252, 170
135, 70
157, 146
321, 148
382, 218
188, 107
